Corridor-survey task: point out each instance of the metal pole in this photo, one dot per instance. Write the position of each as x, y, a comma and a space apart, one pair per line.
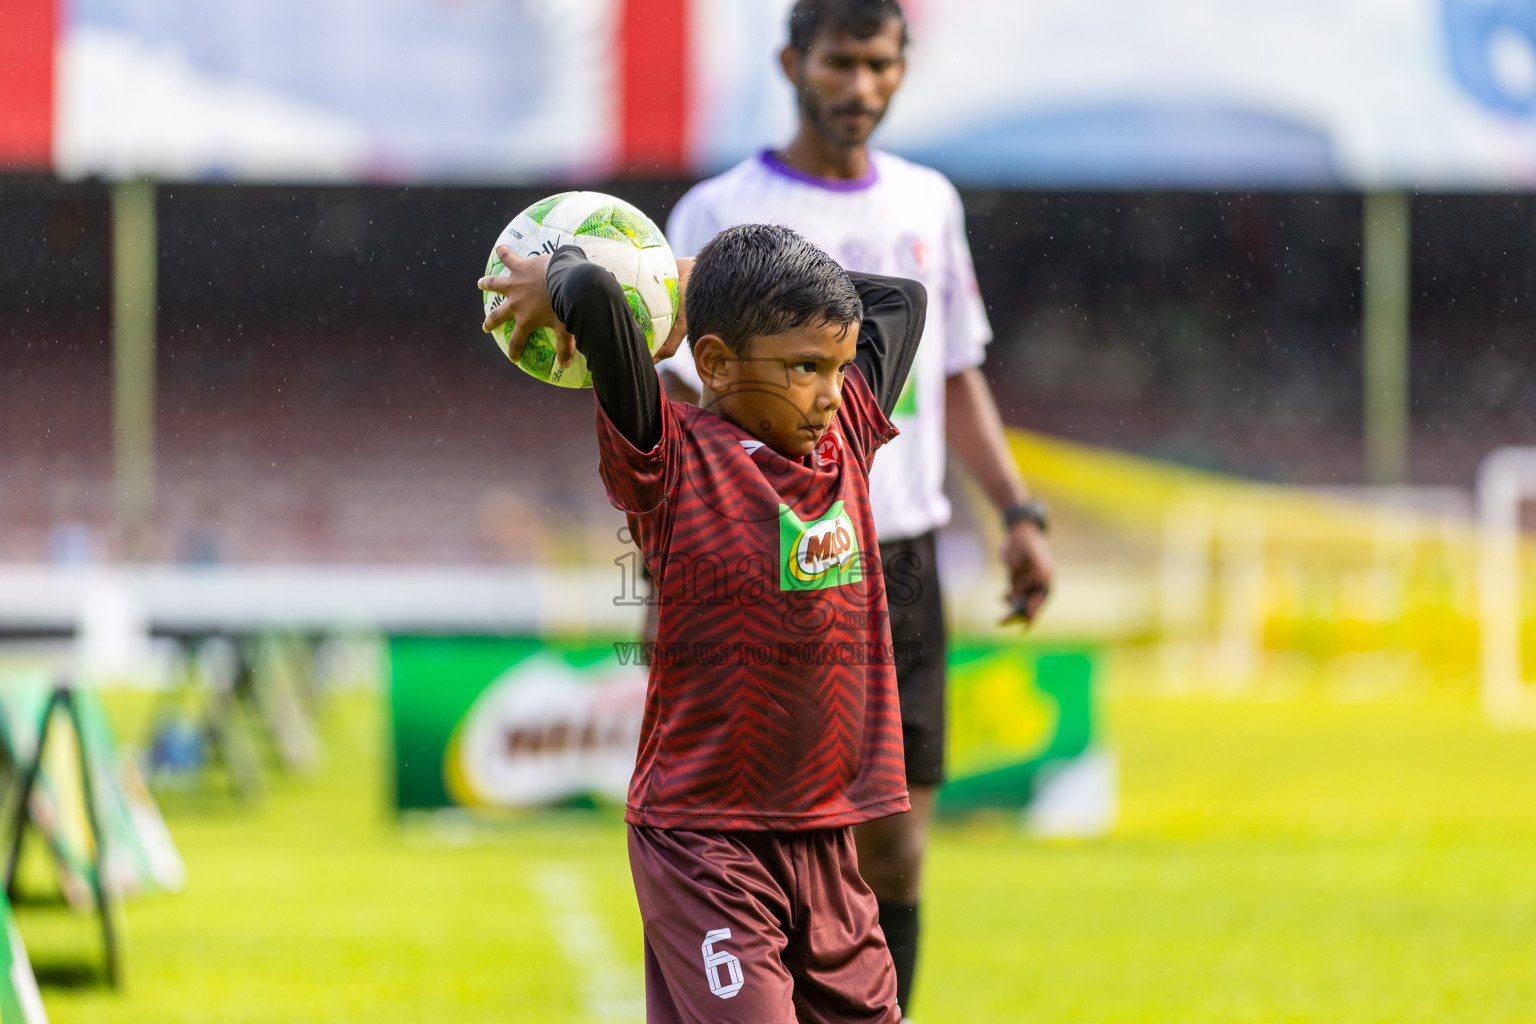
1386, 243
135, 253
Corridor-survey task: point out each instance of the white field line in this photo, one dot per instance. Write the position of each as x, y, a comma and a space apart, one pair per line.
611, 990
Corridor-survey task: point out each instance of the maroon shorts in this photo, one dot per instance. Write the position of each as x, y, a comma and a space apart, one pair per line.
759, 928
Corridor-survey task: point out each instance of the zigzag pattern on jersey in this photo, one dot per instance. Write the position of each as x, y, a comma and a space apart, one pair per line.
755, 720
737, 744
757, 743
745, 761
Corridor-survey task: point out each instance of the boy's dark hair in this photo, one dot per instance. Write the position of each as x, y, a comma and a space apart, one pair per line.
859, 18
754, 280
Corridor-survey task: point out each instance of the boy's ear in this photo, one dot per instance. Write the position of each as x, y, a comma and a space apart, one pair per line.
710, 356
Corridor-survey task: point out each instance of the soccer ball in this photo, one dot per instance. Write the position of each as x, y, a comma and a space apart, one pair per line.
614, 235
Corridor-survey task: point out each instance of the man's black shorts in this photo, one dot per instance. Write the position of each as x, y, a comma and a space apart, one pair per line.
917, 634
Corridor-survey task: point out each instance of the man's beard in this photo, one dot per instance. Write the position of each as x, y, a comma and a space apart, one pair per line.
820, 118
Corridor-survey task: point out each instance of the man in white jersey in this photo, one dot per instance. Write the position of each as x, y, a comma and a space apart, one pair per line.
877, 213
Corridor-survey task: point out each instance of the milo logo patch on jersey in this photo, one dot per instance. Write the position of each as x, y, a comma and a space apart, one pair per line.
819, 554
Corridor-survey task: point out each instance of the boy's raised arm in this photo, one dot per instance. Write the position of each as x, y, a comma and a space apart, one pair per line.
572, 296
591, 304
894, 311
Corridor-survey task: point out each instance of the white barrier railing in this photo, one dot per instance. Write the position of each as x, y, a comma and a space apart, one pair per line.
1505, 480
391, 599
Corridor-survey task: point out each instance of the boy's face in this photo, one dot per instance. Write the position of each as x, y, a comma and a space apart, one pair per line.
783, 389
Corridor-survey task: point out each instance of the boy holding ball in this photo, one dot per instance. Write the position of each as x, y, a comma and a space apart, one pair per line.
771, 723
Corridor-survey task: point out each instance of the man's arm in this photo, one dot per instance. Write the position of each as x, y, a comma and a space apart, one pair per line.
972, 423
679, 389
975, 430
894, 311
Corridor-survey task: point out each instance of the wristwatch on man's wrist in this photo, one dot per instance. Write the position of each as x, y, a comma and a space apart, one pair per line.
1031, 511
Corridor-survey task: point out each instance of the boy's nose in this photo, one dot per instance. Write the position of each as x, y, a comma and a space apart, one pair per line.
830, 397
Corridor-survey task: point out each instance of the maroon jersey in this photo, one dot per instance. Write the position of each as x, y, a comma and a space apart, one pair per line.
772, 697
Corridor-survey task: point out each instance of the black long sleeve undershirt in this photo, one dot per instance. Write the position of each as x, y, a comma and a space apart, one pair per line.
895, 310
591, 304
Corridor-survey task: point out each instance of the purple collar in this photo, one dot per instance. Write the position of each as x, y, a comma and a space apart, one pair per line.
778, 166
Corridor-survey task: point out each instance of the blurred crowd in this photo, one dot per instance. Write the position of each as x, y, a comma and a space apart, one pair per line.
325, 395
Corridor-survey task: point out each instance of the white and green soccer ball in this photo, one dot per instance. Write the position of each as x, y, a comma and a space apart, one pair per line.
614, 235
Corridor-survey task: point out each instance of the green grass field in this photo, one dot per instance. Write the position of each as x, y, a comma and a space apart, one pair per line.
1284, 860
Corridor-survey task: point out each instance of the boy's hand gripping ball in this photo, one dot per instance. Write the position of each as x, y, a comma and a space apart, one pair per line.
614, 235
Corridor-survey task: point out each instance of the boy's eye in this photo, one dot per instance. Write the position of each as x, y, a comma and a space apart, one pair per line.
806, 367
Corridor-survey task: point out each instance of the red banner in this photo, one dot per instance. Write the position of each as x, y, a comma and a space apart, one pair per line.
28, 30
653, 102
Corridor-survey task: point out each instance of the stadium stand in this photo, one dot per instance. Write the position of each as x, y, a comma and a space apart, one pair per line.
341, 406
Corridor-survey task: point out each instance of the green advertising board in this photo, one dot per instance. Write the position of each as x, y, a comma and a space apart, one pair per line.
19, 998
1024, 733
521, 722
139, 854
508, 723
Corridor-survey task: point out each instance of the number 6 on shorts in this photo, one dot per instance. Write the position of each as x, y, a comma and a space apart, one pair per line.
716, 959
